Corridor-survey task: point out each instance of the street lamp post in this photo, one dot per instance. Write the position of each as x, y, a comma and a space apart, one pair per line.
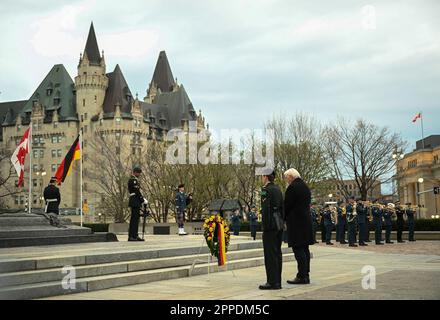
397, 156
419, 181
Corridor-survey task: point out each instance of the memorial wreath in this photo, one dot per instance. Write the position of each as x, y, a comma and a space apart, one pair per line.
217, 235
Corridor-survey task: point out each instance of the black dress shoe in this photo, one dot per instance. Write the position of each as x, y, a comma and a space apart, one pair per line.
352, 245
363, 244
343, 242
390, 242
299, 281
379, 244
329, 243
367, 240
269, 286
401, 241
412, 240
132, 239
139, 239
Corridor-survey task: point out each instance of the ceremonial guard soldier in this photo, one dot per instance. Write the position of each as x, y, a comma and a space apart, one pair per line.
182, 200
368, 219
272, 223
377, 213
322, 225
400, 222
351, 222
387, 218
314, 217
52, 197
410, 213
253, 222
341, 223
135, 202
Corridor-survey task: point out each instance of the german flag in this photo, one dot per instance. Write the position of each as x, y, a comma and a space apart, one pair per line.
67, 163
221, 244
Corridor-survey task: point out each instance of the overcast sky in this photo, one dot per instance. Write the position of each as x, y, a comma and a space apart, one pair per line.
242, 61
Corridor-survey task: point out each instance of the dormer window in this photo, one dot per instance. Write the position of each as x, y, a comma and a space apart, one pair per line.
49, 91
118, 121
56, 101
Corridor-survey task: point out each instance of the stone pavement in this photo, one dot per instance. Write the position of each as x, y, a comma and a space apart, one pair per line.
401, 273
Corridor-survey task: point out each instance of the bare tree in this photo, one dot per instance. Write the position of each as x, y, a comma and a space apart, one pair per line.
298, 144
7, 182
360, 151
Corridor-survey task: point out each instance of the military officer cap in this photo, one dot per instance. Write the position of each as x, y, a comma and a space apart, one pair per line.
137, 169
268, 172
181, 186
53, 180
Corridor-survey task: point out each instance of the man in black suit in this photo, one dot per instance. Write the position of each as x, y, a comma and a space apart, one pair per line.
52, 197
299, 223
135, 202
273, 224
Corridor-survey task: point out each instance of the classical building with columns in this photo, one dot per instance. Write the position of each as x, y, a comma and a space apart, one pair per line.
418, 173
96, 102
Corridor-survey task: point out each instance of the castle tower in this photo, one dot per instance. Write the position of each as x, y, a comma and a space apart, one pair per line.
163, 80
91, 82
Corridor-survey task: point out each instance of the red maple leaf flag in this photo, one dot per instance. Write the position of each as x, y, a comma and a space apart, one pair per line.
418, 116
19, 156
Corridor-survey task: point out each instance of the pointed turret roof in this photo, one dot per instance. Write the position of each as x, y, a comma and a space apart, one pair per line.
92, 49
163, 77
118, 93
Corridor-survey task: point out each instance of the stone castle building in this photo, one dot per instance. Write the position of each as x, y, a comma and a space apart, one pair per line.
96, 102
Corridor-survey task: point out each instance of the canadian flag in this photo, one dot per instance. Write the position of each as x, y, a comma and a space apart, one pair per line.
19, 156
418, 116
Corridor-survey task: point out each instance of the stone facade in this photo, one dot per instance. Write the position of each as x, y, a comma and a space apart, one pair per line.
422, 163
96, 102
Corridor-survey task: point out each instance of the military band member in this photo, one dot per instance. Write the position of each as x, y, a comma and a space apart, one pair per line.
135, 202
387, 219
351, 222
314, 217
341, 223
362, 217
328, 223
322, 225
377, 214
410, 213
400, 223
52, 197
369, 218
182, 200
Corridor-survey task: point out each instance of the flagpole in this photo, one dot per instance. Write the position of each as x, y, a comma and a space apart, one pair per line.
81, 175
30, 168
423, 136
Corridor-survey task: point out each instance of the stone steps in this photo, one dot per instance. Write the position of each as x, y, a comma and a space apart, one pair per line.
42, 231
42, 276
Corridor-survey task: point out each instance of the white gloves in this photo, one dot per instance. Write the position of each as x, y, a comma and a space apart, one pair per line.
145, 201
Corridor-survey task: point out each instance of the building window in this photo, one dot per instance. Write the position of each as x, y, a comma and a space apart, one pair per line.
56, 101
35, 182
84, 102
49, 92
85, 129
412, 164
54, 153
118, 121
35, 167
41, 153
59, 154
101, 121
436, 159
35, 154
17, 200
54, 167
55, 124
85, 116
118, 135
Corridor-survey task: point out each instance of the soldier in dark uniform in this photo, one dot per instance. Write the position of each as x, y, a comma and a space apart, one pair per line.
368, 218
314, 216
387, 215
272, 215
328, 223
377, 213
236, 222
410, 213
253, 222
342, 222
351, 222
362, 217
322, 225
135, 202
182, 200
400, 222
52, 197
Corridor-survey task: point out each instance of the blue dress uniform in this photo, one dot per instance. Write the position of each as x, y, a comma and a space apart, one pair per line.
253, 222
362, 217
328, 223
400, 223
321, 225
411, 223
387, 214
367, 223
377, 221
351, 223
340, 227
236, 223
314, 217
182, 200
135, 201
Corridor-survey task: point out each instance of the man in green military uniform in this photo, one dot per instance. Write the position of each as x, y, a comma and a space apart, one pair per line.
272, 223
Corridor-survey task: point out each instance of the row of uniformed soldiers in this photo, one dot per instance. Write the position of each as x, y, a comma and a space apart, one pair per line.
355, 218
